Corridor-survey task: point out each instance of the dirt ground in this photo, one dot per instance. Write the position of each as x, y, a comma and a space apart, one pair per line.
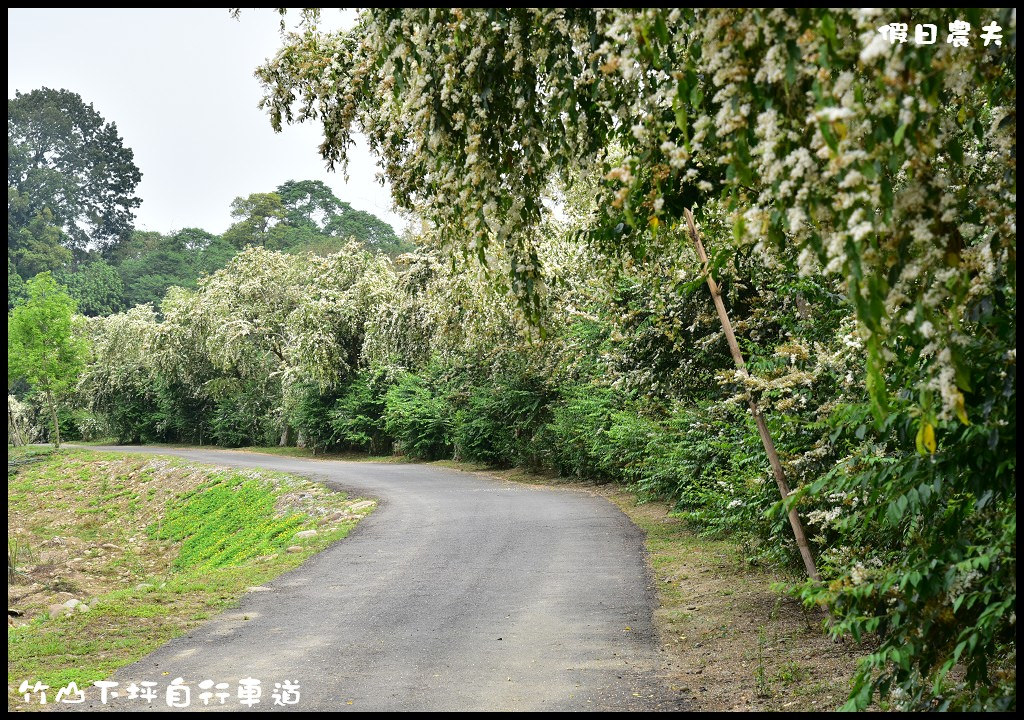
731, 640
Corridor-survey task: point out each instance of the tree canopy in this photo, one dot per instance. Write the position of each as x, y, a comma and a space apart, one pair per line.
306, 215
828, 147
68, 169
42, 346
824, 160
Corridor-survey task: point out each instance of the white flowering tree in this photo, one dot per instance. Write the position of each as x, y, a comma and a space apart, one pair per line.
889, 164
345, 297
239, 346
121, 376
874, 148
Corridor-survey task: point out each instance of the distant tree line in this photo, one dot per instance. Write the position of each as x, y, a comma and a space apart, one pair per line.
70, 200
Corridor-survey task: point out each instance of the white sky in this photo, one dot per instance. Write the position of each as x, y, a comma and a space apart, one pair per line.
179, 85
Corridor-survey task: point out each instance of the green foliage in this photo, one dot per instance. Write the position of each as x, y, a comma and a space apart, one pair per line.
43, 347
500, 421
935, 571
88, 426
163, 411
149, 263
357, 417
306, 216
575, 441
227, 521
95, 286
661, 323
37, 246
259, 222
710, 460
16, 293
311, 205
351, 418
243, 414
70, 171
419, 418
310, 417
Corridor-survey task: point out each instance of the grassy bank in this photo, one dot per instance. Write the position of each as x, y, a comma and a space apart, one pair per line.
149, 547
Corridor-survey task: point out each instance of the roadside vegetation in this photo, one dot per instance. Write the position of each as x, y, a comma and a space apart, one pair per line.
556, 310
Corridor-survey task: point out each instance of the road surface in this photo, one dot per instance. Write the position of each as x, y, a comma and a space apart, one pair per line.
459, 592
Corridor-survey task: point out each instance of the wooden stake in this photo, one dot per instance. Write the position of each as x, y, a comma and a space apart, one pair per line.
762, 428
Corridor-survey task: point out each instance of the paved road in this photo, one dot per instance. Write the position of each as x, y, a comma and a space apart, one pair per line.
458, 593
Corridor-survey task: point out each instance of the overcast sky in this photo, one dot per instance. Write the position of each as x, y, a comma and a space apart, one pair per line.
179, 85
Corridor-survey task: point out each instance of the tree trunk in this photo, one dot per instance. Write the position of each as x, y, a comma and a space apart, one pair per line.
56, 422
286, 436
762, 427
12, 427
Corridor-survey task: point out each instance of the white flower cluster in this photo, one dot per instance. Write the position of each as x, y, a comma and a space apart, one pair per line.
829, 146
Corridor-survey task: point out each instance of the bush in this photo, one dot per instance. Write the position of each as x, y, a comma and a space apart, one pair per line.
500, 422
87, 425
923, 550
419, 418
575, 442
244, 417
357, 416
311, 417
136, 418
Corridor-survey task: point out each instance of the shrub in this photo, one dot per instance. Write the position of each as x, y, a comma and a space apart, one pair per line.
419, 418
357, 417
575, 442
500, 421
310, 416
244, 416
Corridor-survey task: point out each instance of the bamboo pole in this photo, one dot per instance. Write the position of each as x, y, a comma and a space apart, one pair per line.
762, 428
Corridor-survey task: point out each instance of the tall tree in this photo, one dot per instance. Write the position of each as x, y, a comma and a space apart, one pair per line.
63, 157
259, 219
310, 204
42, 345
209, 252
306, 215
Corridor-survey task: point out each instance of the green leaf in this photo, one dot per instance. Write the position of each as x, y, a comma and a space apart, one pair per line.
830, 138
897, 139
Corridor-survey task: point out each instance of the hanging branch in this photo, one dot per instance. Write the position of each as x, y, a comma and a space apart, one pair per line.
762, 428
